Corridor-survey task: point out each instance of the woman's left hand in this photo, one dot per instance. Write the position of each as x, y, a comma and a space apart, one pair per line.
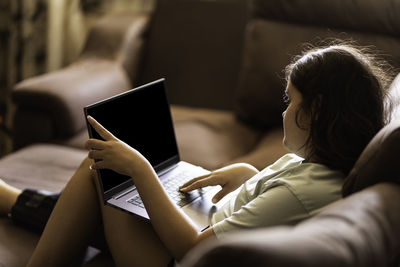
114, 154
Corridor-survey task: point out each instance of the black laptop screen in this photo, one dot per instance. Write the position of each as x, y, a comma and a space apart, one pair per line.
141, 118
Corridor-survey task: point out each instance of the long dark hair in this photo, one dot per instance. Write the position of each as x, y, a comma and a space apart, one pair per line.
343, 89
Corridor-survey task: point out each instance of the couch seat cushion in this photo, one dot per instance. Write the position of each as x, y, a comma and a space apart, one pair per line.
211, 138
42, 166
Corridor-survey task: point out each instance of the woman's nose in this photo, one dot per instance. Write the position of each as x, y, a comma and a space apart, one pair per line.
283, 114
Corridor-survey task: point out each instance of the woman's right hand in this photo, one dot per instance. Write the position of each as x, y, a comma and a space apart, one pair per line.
229, 178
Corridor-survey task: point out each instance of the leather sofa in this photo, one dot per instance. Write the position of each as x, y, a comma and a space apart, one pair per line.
223, 62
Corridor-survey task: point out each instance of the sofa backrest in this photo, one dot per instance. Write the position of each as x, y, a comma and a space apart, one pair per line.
196, 45
279, 28
119, 38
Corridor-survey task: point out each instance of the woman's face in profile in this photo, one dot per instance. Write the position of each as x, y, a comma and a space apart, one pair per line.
294, 137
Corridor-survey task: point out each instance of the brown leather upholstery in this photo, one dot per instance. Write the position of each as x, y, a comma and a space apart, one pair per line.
358, 15
60, 96
197, 46
49, 107
122, 38
216, 135
278, 30
361, 230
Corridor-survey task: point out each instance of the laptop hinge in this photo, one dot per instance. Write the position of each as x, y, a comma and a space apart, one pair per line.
130, 189
164, 171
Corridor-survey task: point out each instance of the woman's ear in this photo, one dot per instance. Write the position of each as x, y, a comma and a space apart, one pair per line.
303, 119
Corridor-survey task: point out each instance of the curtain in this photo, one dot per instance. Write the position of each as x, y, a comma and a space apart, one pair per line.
22, 53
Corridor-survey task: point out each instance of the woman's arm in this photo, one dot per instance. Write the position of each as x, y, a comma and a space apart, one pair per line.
172, 226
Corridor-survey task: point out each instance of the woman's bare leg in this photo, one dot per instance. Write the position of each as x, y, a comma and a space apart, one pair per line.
74, 222
132, 241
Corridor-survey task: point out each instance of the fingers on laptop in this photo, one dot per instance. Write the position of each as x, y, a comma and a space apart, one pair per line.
103, 132
199, 182
183, 187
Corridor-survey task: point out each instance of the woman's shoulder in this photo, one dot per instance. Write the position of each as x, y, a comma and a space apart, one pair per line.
285, 162
315, 185
302, 178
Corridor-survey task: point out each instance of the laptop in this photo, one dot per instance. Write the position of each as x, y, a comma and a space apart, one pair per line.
150, 131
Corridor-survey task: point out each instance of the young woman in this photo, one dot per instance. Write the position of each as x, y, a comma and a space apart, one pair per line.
335, 98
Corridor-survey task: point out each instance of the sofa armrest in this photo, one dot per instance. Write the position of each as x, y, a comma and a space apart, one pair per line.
50, 106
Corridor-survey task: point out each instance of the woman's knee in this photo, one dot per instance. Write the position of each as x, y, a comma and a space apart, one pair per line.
85, 168
86, 163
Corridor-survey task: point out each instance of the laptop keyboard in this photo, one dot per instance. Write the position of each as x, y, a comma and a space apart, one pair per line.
171, 186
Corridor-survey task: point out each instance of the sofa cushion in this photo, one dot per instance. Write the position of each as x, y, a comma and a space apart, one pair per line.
352, 15
41, 166
17, 245
269, 47
122, 36
211, 138
196, 45
278, 32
